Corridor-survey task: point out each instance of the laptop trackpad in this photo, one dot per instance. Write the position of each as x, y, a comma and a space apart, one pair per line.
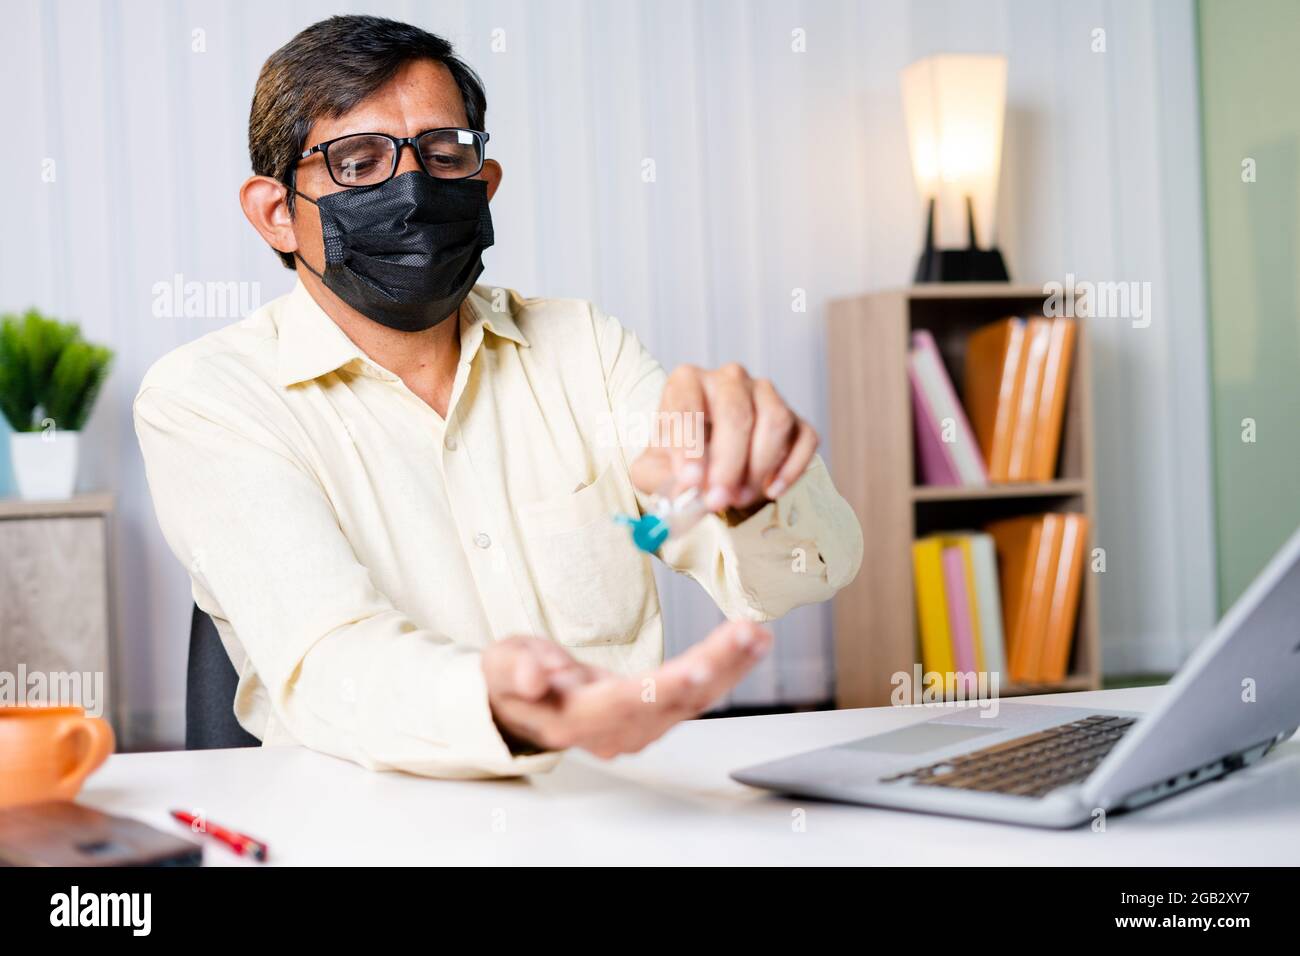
919, 738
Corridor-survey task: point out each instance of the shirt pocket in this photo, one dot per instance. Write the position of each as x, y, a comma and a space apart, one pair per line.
594, 587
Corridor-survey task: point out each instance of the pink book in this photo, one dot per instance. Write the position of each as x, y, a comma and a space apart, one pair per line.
958, 461
936, 464
954, 588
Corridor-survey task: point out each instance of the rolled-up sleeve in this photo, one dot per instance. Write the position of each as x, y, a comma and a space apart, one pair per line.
799, 549
346, 672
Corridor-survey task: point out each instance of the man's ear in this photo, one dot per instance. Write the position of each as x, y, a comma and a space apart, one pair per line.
264, 203
491, 174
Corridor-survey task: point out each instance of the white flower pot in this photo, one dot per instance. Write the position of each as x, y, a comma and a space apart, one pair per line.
45, 464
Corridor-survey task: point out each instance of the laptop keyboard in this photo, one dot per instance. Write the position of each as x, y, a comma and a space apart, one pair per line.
1029, 766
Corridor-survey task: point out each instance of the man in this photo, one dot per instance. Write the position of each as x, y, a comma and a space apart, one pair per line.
393, 490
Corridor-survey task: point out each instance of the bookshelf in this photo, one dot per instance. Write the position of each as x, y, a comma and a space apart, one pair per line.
872, 462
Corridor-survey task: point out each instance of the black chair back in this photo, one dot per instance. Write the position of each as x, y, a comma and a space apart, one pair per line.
210, 686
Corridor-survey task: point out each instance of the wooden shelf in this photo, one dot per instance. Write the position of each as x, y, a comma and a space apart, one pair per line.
1042, 489
96, 503
872, 461
971, 291
1073, 682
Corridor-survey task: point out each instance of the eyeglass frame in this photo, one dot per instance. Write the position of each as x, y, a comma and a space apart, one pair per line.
399, 143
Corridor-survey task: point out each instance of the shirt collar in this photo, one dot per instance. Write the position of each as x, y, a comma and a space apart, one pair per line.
312, 345
494, 309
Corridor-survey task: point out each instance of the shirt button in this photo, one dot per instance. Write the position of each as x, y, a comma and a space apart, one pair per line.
450, 443
794, 517
482, 540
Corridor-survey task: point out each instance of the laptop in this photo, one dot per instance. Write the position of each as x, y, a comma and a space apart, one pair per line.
1050, 766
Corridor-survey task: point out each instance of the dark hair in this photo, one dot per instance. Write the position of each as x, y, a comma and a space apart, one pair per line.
329, 68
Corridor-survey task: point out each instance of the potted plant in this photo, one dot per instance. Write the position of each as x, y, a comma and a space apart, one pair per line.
49, 380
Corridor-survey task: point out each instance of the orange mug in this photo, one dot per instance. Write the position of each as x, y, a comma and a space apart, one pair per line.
46, 753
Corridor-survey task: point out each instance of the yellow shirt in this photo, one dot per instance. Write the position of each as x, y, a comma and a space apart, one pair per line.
357, 551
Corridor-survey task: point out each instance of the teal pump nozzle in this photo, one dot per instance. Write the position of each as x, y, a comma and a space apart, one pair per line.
649, 532
667, 516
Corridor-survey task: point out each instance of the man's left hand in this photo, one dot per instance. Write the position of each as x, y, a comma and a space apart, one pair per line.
751, 446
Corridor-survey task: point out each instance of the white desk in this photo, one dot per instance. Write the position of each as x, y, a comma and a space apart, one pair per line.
674, 804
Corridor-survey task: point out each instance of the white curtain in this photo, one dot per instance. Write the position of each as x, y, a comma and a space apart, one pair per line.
780, 169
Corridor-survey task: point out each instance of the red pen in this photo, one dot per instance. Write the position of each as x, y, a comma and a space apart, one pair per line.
239, 842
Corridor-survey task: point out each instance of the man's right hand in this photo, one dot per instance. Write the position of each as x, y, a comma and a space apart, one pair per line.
541, 696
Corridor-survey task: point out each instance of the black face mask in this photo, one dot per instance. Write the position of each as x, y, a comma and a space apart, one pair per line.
405, 253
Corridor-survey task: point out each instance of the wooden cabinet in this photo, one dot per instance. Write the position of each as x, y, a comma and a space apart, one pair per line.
55, 594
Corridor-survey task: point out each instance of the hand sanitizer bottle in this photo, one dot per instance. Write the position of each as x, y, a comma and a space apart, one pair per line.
668, 517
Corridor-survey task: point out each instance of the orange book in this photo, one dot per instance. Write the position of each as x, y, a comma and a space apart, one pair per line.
1038, 601
1065, 599
994, 374
1015, 541
1051, 400
1038, 335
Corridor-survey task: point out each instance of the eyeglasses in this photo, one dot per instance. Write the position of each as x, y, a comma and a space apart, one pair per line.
367, 159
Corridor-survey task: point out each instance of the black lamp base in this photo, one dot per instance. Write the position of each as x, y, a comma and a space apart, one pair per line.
959, 265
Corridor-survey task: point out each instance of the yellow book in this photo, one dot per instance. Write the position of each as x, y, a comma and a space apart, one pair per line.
932, 606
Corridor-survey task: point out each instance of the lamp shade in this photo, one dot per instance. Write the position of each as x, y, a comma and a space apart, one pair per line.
954, 106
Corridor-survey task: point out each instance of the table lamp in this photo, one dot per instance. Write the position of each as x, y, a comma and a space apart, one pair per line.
954, 106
